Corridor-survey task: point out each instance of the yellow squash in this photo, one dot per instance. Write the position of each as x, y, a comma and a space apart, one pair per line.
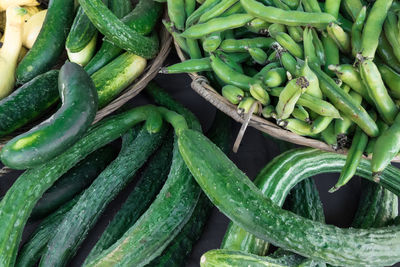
32, 28
4, 4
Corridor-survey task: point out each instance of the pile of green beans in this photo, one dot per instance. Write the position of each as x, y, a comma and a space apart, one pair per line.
329, 70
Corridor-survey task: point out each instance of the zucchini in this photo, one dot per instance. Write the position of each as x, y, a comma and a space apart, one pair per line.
50, 43
32, 250
139, 200
74, 181
178, 196
117, 75
64, 128
117, 32
71, 232
20, 199
28, 102
142, 19
256, 213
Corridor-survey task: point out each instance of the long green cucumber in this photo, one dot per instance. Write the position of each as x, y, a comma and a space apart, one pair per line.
20, 199
117, 32
120, 7
63, 129
50, 43
139, 200
83, 56
28, 102
256, 213
32, 250
73, 229
142, 19
74, 181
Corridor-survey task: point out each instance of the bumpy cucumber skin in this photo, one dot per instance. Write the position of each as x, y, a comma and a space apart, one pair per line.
33, 249
20, 199
74, 181
50, 43
64, 128
28, 102
139, 200
73, 229
222, 180
142, 19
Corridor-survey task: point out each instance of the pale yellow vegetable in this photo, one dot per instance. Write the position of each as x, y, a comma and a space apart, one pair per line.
32, 28
11, 48
4, 4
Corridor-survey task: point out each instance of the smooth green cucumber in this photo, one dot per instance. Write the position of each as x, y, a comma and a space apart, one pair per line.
117, 75
50, 43
150, 183
74, 181
256, 213
72, 231
20, 199
64, 128
32, 250
117, 32
28, 102
142, 19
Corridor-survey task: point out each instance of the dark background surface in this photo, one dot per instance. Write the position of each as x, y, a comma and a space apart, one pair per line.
254, 153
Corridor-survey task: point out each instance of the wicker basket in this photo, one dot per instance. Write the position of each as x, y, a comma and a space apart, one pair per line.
204, 89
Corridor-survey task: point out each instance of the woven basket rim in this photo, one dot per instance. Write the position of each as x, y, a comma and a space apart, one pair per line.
201, 86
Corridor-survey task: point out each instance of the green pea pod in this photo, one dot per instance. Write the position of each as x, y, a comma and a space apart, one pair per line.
176, 13
341, 38
258, 26
289, 97
331, 52
241, 45
207, 5
234, 9
177, 38
296, 33
190, 7
377, 90
297, 126
288, 62
268, 112
352, 7
230, 76
246, 104
258, 55
188, 66
217, 25
311, 6
309, 48
318, 106
250, 71
274, 28
217, 10
391, 79
273, 57
212, 42
329, 137
320, 124
319, 47
275, 77
386, 54
332, 7
386, 148
371, 144
373, 27
288, 43
360, 141
313, 89
392, 33
228, 60
356, 31
233, 94
259, 93
292, 4
301, 113
193, 48
264, 71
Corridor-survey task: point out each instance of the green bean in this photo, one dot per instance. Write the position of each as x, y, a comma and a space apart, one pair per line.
354, 155
289, 18
235, 9
300, 113
261, 74
297, 126
345, 23
296, 33
212, 42
274, 28
311, 6
341, 38
391, 79
193, 48
320, 124
228, 60
259, 93
230, 76
268, 112
258, 26
318, 106
207, 5
241, 45
392, 33
258, 55
329, 137
289, 97
216, 25
386, 148
345, 104
385, 53
356, 31
313, 89
309, 48
350, 76
332, 7
177, 38
217, 10
288, 62
331, 52
233, 94
373, 27
238, 57
190, 7
377, 91
288, 43
187, 66
382, 127
352, 7
275, 77
245, 106
176, 13
319, 47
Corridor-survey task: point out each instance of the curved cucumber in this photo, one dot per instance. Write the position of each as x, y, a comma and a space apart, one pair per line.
142, 19
139, 200
20, 199
50, 43
83, 56
74, 181
64, 128
28, 102
258, 214
120, 7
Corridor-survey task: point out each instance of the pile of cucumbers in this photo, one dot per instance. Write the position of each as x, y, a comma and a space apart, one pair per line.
329, 70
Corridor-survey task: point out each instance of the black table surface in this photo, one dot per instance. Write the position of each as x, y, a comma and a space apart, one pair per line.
254, 153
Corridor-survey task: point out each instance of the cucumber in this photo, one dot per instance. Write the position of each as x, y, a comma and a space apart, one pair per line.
139, 200
142, 19
50, 43
117, 75
83, 56
120, 7
72, 231
74, 181
63, 129
117, 32
28, 102
258, 214
32, 250
20, 199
